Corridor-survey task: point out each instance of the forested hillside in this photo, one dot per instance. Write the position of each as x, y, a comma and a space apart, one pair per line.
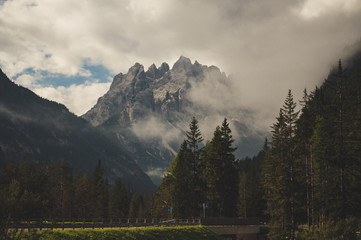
309, 173
41, 130
33, 191
304, 183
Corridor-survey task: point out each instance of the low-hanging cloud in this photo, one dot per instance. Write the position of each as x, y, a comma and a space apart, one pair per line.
78, 98
267, 46
155, 128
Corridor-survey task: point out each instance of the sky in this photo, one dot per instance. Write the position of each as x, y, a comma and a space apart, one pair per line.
68, 51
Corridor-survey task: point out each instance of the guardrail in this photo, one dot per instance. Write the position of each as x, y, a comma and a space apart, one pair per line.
16, 225
39, 224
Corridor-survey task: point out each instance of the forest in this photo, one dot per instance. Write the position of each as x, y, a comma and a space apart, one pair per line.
33, 191
304, 183
306, 180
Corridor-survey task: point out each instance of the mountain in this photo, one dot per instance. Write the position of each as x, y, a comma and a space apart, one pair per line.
34, 128
149, 111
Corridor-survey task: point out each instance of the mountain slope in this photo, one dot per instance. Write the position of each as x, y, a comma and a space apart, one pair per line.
44, 131
149, 111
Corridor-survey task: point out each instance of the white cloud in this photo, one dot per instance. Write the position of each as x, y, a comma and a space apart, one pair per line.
148, 129
316, 8
26, 80
78, 98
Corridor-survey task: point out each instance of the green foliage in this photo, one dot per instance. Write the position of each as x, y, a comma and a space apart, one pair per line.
197, 176
282, 174
220, 174
346, 229
29, 190
312, 170
156, 233
35, 128
119, 200
251, 202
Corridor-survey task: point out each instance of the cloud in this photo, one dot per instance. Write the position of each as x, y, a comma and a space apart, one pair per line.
78, 98
267, 46
316, 8
155, 128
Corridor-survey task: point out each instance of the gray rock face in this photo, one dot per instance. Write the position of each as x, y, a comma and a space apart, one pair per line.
150, 111
138, 94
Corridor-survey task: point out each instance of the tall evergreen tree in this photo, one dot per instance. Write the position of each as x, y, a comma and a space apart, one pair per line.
100, 191
220, 173
60, 178
282, 174
183, 190
119, 200
83, 196
194, 136
184, 176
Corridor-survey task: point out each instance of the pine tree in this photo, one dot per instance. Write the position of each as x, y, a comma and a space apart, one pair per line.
83, 195
136, 206
193, 140
212, 173
230, 174
60, 177
282, 174
184, 177
194, 136
119, 200
100, 192
184, 188
220, 174
251, 201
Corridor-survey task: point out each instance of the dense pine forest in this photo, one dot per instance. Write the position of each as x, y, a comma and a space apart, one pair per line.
32, 191
304, 183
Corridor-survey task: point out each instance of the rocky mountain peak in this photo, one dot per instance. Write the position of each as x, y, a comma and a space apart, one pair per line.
135, 71
156, 91
156, 73
164, 68
182, 64
116, 81
152, 68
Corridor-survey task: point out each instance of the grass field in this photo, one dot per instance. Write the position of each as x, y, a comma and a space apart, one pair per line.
149, 233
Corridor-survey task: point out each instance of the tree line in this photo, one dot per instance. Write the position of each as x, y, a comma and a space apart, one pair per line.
32, 191
306, 181
201, 175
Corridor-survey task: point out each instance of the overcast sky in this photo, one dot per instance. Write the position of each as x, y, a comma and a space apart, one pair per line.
68, 51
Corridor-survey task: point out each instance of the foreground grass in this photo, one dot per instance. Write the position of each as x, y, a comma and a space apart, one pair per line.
149, 233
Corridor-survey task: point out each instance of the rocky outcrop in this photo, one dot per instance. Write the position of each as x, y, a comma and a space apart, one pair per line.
138, 94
